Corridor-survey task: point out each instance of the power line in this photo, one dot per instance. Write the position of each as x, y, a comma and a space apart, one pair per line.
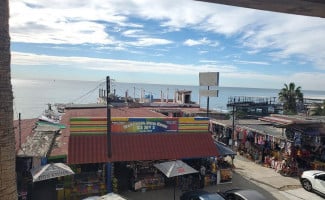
89, 92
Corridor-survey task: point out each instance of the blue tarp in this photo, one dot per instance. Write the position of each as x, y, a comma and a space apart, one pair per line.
223, 150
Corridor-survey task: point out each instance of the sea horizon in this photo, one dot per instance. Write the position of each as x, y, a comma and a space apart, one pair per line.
104, 80
31, 96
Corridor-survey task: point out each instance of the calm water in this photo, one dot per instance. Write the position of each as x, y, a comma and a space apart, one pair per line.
32, 96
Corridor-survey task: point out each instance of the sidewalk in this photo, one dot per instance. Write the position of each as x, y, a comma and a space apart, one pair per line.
264, 175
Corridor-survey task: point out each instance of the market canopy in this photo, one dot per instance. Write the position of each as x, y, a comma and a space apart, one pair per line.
175, 168
223, 150
50, 171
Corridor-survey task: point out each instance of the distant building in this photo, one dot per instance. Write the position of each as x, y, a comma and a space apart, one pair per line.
254, 107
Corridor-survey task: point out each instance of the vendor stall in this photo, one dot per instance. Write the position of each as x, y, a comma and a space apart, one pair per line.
146, 176
89, 180
219, 171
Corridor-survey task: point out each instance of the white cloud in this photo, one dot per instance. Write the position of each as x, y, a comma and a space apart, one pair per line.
191, 42
209, 61
298, 36
133, 33
203, 52
149, 42
28, 59
203, 41
246, 62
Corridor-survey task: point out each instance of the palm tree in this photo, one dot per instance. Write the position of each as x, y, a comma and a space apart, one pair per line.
8, 185
290, 96
320, 109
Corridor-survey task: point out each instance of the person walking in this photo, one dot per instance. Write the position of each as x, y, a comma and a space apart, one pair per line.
202, 175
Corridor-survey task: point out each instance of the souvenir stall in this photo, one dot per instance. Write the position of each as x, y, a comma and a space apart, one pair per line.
221, 130
266, 148
89, 180
219, 169
145, 176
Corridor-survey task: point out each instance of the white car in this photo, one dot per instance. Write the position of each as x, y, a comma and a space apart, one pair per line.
313, 180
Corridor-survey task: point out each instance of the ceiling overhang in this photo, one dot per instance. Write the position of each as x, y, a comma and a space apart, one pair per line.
314, 8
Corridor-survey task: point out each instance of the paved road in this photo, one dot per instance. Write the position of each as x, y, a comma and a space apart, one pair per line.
247, 174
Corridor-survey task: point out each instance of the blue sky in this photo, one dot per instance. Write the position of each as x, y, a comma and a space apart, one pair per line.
165, 42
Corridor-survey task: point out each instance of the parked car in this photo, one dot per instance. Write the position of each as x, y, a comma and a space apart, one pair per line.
243, 194
313, 180
201, 195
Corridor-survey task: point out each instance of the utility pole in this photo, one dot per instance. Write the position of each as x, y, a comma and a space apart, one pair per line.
109, 141
19, 125
208, 102
233, 122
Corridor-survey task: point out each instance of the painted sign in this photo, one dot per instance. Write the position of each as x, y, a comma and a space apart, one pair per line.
93, 126
145, 125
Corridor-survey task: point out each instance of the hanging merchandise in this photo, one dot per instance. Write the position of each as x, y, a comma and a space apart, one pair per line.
240, 135
317, 140
288, 148
282, 144
236, 135
230, 142
250, 136
115, 185
297, 139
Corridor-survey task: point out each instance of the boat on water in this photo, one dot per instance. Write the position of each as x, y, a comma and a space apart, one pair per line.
48, 119
50, 116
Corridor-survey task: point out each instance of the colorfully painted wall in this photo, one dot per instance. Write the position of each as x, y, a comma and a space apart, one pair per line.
93, 125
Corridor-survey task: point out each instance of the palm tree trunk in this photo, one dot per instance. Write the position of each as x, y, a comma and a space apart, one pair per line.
8, 185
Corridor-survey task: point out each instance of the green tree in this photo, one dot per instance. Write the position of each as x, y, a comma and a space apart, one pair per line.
320, 110
290, 95
8, 185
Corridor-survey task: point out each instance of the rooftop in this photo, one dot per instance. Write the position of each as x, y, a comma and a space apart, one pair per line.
61, 147
132, 147
27, 126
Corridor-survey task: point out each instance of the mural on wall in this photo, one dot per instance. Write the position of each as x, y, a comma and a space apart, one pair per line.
144, 125
93, 125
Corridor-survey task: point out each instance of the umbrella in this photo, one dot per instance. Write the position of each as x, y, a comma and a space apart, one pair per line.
175, 168
49, 171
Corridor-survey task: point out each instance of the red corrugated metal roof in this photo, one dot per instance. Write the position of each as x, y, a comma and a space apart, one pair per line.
27, 126
132, 147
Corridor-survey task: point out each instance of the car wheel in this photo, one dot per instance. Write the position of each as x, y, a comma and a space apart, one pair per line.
307, 185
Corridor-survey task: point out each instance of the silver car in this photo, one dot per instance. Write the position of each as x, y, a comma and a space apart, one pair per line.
243, 194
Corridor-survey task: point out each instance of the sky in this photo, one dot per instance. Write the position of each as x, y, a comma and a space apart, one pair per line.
165, 42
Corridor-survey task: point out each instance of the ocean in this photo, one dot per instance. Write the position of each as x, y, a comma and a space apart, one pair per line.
32, 96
